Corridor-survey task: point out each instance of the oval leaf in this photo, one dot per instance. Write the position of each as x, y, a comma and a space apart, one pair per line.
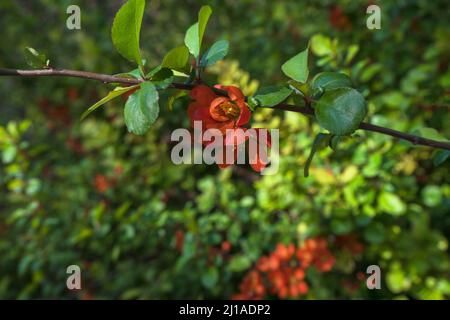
142, 109
191, 40
330, 81
126, 30
217, 52
341, 111
297, 67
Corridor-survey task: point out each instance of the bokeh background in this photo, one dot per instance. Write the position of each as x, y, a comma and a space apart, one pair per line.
139, 226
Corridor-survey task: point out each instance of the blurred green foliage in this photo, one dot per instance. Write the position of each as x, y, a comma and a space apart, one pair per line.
139, 226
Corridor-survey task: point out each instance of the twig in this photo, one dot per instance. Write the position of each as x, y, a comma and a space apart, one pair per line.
306, 110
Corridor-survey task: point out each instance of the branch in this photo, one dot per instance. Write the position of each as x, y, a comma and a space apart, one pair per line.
306, 110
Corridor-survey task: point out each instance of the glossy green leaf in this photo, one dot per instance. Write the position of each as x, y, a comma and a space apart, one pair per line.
177, 59
203, 18
296, 68
112, 95
330, 81
126, 30
194, 35
217, 52
191, 40
272, 95
341, 111
35, 59
142, 109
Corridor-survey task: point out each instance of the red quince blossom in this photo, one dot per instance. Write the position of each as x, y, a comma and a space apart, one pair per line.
228, 114
217, 112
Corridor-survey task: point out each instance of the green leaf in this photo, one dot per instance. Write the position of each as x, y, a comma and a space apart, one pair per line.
126, 30
148, 103
191, 40
135, 73
341, 111
440, 157
154, 71
297, 67
111, 95
272, 95
35, 59
301, 89
330, 81
162, 78
203, 17
217, 52
142, 109
194, 35
177, 59
320, 141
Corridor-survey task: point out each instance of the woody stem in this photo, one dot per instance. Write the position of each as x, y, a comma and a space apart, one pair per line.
306, 110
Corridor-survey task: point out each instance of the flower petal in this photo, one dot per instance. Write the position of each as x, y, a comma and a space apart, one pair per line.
202, 94
217, 101
245, 113
234, 93
197, 112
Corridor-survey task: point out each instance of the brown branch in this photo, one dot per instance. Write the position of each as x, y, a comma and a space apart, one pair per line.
417, 140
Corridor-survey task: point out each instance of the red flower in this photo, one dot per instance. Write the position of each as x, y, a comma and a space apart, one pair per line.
218, 112
228, 115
